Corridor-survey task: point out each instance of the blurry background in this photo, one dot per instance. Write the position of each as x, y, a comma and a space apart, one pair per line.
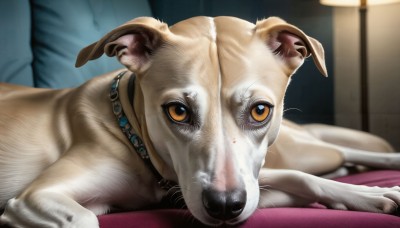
383, 67
40, 40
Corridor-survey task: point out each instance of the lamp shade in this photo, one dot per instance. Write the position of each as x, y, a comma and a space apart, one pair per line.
355, 2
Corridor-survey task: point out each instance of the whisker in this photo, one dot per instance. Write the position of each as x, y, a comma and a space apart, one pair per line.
265, 186
290, 109
265, 189
174, 198
242, 95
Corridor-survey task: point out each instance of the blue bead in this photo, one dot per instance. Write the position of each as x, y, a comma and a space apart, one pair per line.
123, 121
134, 141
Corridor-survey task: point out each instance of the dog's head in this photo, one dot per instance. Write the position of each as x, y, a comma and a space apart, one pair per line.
213, 92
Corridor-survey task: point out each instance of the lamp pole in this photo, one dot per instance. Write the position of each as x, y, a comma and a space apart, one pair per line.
364, 67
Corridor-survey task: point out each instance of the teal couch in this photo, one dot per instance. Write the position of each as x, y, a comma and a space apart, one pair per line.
40, 39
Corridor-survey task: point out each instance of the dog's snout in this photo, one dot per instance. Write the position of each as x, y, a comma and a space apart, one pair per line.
224, 205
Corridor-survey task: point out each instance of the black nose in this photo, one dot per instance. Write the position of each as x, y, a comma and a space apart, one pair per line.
224, 205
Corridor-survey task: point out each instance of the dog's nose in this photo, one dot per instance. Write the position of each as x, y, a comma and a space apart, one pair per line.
224, 205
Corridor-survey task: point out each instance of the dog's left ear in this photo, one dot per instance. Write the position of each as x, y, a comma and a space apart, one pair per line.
290, 44
132, 43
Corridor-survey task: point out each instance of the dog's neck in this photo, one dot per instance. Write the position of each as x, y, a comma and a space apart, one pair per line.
131, 99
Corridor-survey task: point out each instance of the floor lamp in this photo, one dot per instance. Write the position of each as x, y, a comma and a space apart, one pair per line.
363, 7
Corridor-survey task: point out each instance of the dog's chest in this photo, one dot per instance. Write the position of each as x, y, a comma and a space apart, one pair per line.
134, 189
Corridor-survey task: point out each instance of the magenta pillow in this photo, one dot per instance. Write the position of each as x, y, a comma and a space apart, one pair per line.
273, 217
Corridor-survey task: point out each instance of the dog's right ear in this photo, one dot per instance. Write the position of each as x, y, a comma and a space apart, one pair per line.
132, 43
290, 45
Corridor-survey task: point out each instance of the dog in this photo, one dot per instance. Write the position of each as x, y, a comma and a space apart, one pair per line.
197, 106
335, 151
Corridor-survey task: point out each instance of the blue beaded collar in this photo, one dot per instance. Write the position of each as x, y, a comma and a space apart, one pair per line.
170, 186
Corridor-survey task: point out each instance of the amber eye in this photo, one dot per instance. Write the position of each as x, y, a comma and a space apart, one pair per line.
260, 112
178, 113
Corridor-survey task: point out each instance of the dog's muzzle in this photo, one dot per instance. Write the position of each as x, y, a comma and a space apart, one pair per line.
225, 205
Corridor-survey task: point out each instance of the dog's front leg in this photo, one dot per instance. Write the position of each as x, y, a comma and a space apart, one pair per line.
52, 199
270, 198
47, 209
295, 188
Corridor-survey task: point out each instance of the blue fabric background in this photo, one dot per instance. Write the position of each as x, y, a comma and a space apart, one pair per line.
62, 28
15, 42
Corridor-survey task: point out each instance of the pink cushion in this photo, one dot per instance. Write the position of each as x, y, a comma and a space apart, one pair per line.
274, 217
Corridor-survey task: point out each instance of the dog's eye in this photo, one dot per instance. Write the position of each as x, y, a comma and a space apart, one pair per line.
260, 112
177, 113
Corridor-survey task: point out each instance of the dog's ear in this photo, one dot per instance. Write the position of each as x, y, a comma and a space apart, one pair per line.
290, 44
132, 43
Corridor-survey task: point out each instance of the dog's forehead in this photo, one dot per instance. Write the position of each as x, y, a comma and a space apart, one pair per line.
209, 27
228, 49
228, 42
220, 54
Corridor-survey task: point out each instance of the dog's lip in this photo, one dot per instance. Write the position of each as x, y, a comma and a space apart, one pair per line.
234, 222
223, 223
212, 222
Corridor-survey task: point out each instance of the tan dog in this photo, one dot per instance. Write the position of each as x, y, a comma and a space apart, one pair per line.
332, 150
206, 99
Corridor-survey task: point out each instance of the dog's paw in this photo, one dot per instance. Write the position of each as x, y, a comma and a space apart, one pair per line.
391, 161
371, 199
23, 213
